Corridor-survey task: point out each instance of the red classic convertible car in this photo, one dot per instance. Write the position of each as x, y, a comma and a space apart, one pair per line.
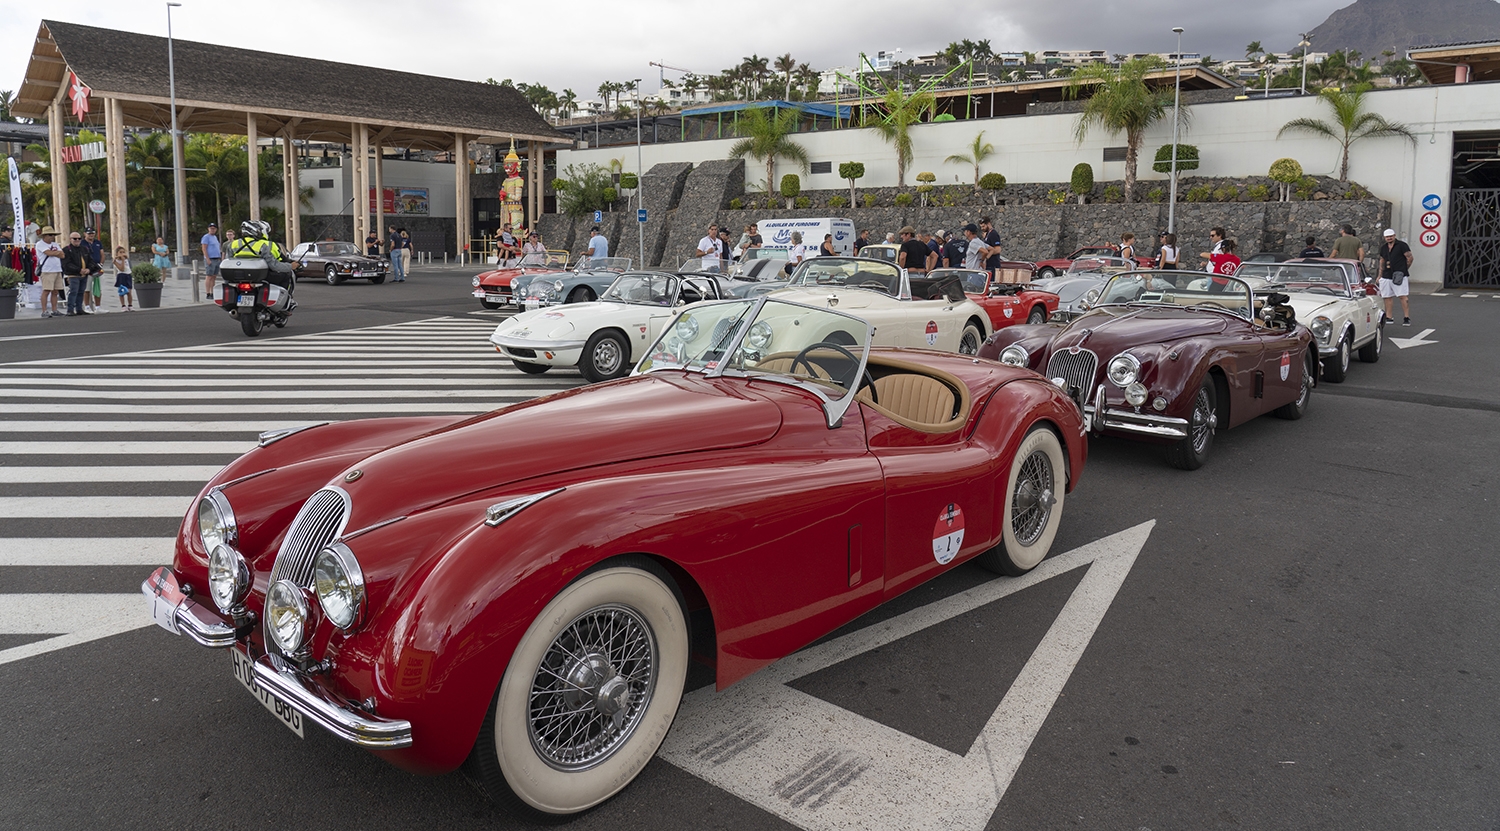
1172, 356
1051, 268
1006, 303
435, 591
496, 287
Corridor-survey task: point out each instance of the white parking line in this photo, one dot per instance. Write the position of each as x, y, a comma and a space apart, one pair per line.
74, 618
821, 767
86, 551
94, 507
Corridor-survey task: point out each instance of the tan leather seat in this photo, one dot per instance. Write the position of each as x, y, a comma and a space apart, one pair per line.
783, 364
915, 398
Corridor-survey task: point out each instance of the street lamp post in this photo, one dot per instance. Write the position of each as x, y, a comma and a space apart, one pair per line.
1305, 44
179, 187
1176, 106
640, 180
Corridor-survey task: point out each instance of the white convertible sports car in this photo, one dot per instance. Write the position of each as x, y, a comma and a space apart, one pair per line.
1342, 316
603, 339
905, 309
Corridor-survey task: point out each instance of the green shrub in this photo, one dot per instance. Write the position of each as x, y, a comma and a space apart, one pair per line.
772, 203
926, 177
629, 181
803, 202
1112, 194
1057, 196
869, 200
1187, 158
849, 171
145, 273
1155, 195
994, 183
1227, 193
736, 204
1356, 192
10, 278
559, 185
1306, 187
1082, 182
1286, 172
1199, 193
791, 185
1258, 193
924, 189
584, 190
838, 201
951, 196
903, 200
610, 195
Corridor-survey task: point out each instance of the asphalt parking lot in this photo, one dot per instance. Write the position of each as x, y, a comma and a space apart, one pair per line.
1302, 634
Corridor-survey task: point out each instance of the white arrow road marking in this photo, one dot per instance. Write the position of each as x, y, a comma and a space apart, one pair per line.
94, 507
85, 551
73, 618
1419, 340
822, 767
1468, 295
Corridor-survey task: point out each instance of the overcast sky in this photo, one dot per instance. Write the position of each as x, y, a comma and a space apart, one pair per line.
578, 45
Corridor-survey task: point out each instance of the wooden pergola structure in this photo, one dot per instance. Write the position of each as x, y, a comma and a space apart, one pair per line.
121, 79
1458, 63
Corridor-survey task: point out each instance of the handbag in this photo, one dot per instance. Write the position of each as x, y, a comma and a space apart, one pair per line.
1398, 277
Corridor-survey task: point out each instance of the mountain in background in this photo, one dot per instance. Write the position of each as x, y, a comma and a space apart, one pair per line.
1372, 26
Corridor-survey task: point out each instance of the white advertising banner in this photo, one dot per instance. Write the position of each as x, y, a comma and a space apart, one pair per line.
19, 217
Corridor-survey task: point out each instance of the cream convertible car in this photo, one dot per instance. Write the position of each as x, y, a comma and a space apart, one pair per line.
1342, 316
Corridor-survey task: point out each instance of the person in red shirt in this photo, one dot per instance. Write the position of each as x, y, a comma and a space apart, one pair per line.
1224, 263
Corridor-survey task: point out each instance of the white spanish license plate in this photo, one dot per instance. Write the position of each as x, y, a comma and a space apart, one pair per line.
533, 303
244, 672
245, 300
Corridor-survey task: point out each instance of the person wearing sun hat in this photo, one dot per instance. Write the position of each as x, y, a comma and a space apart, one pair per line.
49, 259
1395, 266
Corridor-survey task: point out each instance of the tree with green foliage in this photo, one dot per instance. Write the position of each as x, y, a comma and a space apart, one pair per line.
791, 186
1351, 122
1187, 158
979, 150
1286, 172
585, 190
1082, 181
1120, 102
849, 172
895, 114
994, 183
766, 135
7, 100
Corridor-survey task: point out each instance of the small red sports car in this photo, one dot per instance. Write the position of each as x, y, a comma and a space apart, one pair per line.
1052, 268
496, 288
442, 594
1006, 303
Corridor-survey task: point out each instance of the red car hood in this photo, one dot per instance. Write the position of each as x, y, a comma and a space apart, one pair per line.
504, 276
643, 417
1109, 329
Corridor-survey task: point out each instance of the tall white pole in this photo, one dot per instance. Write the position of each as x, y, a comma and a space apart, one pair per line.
640, 180
1306, 44
179, 186
1176, 106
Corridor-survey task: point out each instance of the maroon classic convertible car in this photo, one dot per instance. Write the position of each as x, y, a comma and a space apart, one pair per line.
437, 592
1172, 356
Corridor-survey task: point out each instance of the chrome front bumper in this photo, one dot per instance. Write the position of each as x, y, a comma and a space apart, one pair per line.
1098, 417
545, 345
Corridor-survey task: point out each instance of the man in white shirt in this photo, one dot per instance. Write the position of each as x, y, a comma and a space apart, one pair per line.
976, 251
598, 246
49, 260
711, 248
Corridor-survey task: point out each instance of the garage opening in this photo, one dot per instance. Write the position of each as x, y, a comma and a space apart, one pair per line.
1474, 217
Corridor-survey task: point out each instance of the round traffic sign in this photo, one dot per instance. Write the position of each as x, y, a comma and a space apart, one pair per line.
97, 206
1431, 220
1430, 238
1432, 201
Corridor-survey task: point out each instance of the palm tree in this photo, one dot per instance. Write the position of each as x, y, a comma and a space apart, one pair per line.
978, 152
807, 79
786, 65
896, 113
765, 137
7, 99
1252, 50
1120, 103
566, 101
146, 157
1350, 124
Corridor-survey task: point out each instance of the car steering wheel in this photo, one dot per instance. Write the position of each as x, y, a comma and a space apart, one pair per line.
867, 380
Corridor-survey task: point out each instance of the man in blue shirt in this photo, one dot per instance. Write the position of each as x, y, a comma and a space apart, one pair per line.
598, 246
213, 254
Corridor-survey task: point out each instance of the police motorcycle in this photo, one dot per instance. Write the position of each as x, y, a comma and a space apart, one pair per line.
257, 280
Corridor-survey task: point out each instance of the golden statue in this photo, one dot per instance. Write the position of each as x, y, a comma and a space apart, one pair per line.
511, 189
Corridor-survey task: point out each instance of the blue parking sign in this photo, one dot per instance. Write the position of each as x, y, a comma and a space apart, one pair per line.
640, 215
1432, 202
598, 216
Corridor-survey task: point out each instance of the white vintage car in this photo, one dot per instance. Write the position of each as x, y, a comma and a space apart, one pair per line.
905, 309
604, 339
1342, 316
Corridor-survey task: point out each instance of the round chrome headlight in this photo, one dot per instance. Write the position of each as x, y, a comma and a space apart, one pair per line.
1322, 328
557, 286
288, 617
686, 328
1090, 298
340, 585
1136, 394
760, 336
1159, 403
228, 578
216, 525
1124, 369
1015, 355
475, 281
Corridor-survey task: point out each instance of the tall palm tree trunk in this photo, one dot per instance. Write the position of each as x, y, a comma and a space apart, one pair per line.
1132, 156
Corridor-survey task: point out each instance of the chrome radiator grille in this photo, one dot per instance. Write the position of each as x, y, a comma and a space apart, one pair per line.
1077, 371
320, 522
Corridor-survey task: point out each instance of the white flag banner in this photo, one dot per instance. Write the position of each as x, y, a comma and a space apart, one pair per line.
15, 201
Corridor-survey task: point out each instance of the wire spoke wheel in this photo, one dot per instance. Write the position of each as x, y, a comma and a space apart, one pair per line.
1033, 500
1204, 420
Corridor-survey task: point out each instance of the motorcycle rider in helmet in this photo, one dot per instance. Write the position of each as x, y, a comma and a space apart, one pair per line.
254, 241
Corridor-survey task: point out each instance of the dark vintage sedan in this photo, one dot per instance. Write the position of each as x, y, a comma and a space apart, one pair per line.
436, 591
1172, 357
336, 262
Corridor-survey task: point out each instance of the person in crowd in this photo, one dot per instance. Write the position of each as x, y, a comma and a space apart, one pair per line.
974, 249
1127, 247
1170, 256
124, 285
161, 255
1395, 268
1348, 246
826, 249
954, 248
862, 240
1223, 264
726, 246
797, 254
1310, 248
33, 232
78, 267
742, 244
934, 246
406, 252
1216, 241
597, 246
372, 243
213, 255
506, 245
755, 239
913, 255
992, 245
49, 258
890, 238
533, 244
93, 293
393, 250
710, 248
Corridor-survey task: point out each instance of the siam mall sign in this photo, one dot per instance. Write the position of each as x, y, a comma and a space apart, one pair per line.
83, 152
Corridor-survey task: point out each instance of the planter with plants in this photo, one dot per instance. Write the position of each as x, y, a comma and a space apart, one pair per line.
10, 280
147, 280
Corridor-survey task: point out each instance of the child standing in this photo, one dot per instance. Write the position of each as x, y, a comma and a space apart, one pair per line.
123, 282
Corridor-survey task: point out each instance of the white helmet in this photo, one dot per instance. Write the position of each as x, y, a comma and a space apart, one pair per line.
255, 228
